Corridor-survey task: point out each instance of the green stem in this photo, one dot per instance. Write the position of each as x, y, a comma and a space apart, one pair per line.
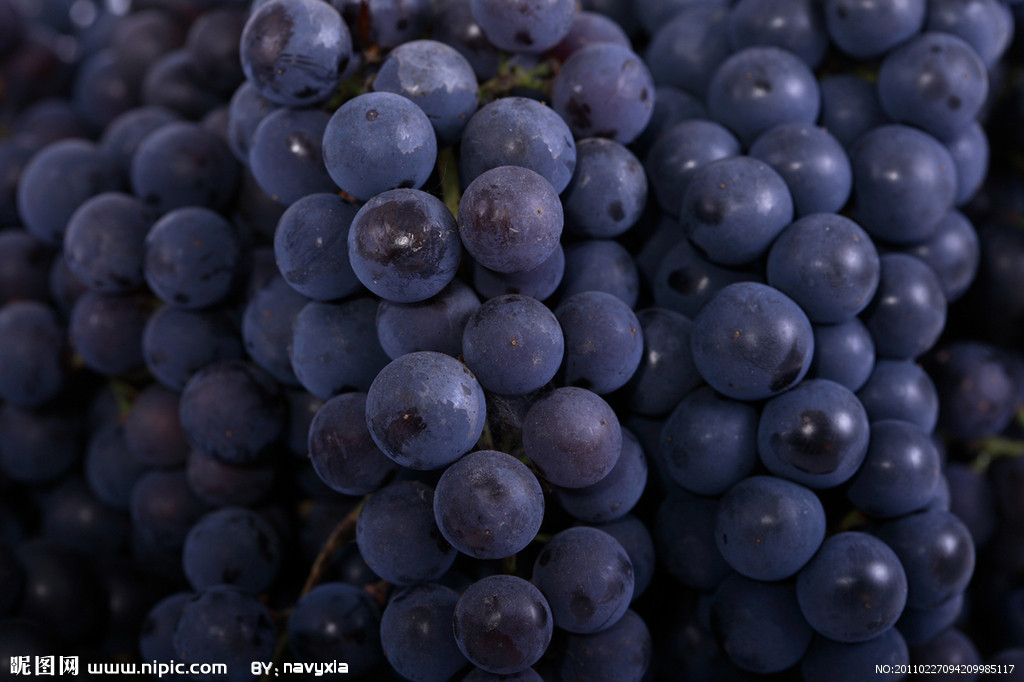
342, 533
510, 78
451, 187
994, 447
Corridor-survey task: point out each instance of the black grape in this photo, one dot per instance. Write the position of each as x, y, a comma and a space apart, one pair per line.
341, 448
232, 546
416, 633
620, 653
614, 495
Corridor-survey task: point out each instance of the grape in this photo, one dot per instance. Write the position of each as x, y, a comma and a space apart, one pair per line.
677, 154
379, 141
684, 535
488, 505
191, 258
156, 634
245, 112
733, 208
403, 245
385, 23
75, 518
666, 372
614, 495
518, 131
972, 499
524, 25
106, 331
904, 182
23, 261
604, 90
62, 592
759, 88
435, 324
709, 442
816, 434
438, 79
79, 168
852, 662
934, 81
232, 546
901, 389
843, 353
976, 393
867, 28
334, 347
671, 106
453, 24
589, 28
608, 190
621, 653
849, 107
920, 626
502, 624
908, 312
685, 280
953, 252
759, 625
104, 242
813, 164
899, 473
38, 445
937, 553
111, 467
286, 155
163, 509
341, 448
751, 342
416, 633
232, 410
425, 410
294, 51
219, 484
572, 437
951, 648
513, 344
183, 164
603, 341
398, 537
686, 49
223, 624
854, 589
33, 345
267, 327
795, 26
510, 219
176, 82
177, 343
539, 282
768, 528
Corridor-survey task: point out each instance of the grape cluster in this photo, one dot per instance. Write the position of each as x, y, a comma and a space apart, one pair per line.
512, 339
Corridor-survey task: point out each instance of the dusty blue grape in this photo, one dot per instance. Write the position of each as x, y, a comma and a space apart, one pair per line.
900, 472
385, 23
608, 191
759, 624
513, 344
622, 653
311, 247
901, 389
336, 622
518, 131
684, 535
827, 264
816, 434
935, 81
425, 410
438, 79
122, 136
286, 154
488, 505
854, 589
572, 437
403, 245
709, 442
416, 633
795, 26
435, 324
849, 107
953, 252
843, 353
334, 347
921, 626
104, 242
232, 546
379, 141
685, 280
666, 372
987, 26
398, 537
635, 538
111, 467
510, 219
105, 330
586, 577
734, 207
751, 342
679, 152
603, 341
970, 152
904, 182
502, 624
267, 323
192, 255
33, 344
813, 164
604, 90
341, 449
246, 110
852, 662
294, 51
759, 88
524, 25
616, 494
671, 106
177, 343
539, 282
864, 29
908, 313
223, 624
601, 265
685, 50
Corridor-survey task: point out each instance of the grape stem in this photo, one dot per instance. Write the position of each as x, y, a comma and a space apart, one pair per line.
514, 77
342, 534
